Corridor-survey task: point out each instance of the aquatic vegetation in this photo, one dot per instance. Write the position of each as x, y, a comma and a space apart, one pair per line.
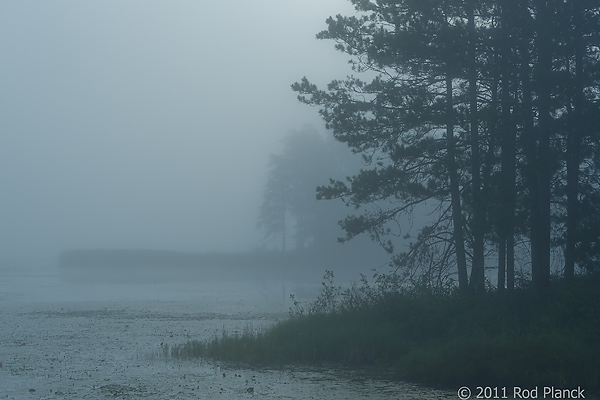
433, 336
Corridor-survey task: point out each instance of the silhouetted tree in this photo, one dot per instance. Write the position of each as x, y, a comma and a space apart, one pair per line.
274, 207
466, 104
289, 207
579, 64
415, 121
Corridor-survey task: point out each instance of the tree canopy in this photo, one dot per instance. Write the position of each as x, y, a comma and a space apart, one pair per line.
484, 111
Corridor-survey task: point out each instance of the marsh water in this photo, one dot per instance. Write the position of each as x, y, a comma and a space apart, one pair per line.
64, 337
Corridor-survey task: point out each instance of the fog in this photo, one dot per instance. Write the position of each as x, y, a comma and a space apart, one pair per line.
149, 124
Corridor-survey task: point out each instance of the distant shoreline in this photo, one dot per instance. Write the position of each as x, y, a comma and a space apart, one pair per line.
145, 264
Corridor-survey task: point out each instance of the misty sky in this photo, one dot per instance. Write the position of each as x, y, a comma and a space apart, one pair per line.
148, 124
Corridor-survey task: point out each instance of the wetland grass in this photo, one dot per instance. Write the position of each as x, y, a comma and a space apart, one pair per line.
435, 337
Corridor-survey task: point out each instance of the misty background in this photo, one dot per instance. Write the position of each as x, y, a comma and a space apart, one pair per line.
148, 124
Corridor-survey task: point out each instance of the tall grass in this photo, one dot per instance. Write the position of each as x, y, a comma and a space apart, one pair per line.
434, 336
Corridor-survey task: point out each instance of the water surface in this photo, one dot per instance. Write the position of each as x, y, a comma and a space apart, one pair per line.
65, 339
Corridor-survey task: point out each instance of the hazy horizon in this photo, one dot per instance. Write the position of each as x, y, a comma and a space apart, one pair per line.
149, 124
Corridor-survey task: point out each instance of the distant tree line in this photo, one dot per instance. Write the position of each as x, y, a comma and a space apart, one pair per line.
122, 258
485, 112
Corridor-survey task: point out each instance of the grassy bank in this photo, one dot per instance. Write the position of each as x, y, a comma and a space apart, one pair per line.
442, 338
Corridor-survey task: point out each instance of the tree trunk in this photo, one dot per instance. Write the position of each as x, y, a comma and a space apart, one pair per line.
541, 270
502, 264
477, 269
508, 143
458, 235
574, 144
530, 145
